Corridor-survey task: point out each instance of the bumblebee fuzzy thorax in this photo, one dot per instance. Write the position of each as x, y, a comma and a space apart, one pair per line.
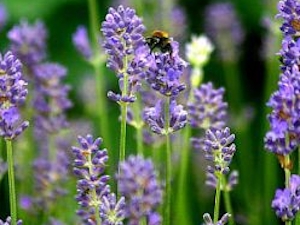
160, 40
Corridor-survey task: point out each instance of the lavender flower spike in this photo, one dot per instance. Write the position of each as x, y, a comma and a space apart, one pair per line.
208, 110
155, 117
111, 211
165, 72
82, 43
8, 221
138, 183
286, 202
29, 42
289, 10
126, 49
13, 92
219, 149
89, 165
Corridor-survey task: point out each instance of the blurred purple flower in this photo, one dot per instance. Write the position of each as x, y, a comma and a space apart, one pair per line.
3, 16
51, 98
49, 179
137, 181
224, 28
13, 92
155, 117
28, 42
81, 42
127, 53
286, 202
208, 110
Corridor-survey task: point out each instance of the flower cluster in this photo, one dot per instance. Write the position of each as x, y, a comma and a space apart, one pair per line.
127, 53
138, 183
208, 110
224, 27
219, 149
13, 92
8, 221
93, 192
165, 72
286, 202
51, 98
284, 134
289, 10
28, 42
155, 117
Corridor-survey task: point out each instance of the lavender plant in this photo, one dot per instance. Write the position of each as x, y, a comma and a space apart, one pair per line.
124, 44
282, 139
97, 204
13, 92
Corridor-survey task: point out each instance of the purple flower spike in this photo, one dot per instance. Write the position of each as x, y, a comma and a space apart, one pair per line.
3, 16
165, 72
8, 221
82, 43
89, 165
208, 110
29, 42
155, 118
286, 202
208, 220
138, 183
111, 211
219, 148
289, 10
13, 92
128, 55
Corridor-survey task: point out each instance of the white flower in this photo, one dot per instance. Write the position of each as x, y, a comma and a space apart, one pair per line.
198, 50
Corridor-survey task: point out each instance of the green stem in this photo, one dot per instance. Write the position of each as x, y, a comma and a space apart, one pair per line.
217, 200
287, 172
167, 218
11, 183
181, 204
123, 131
227, 201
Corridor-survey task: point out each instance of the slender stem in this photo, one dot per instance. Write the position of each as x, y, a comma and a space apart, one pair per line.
122, 150
11, 183
227, 201
217, 200
143, 221
287, 171
167, 218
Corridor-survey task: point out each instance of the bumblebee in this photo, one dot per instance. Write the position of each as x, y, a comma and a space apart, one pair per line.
160, 40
